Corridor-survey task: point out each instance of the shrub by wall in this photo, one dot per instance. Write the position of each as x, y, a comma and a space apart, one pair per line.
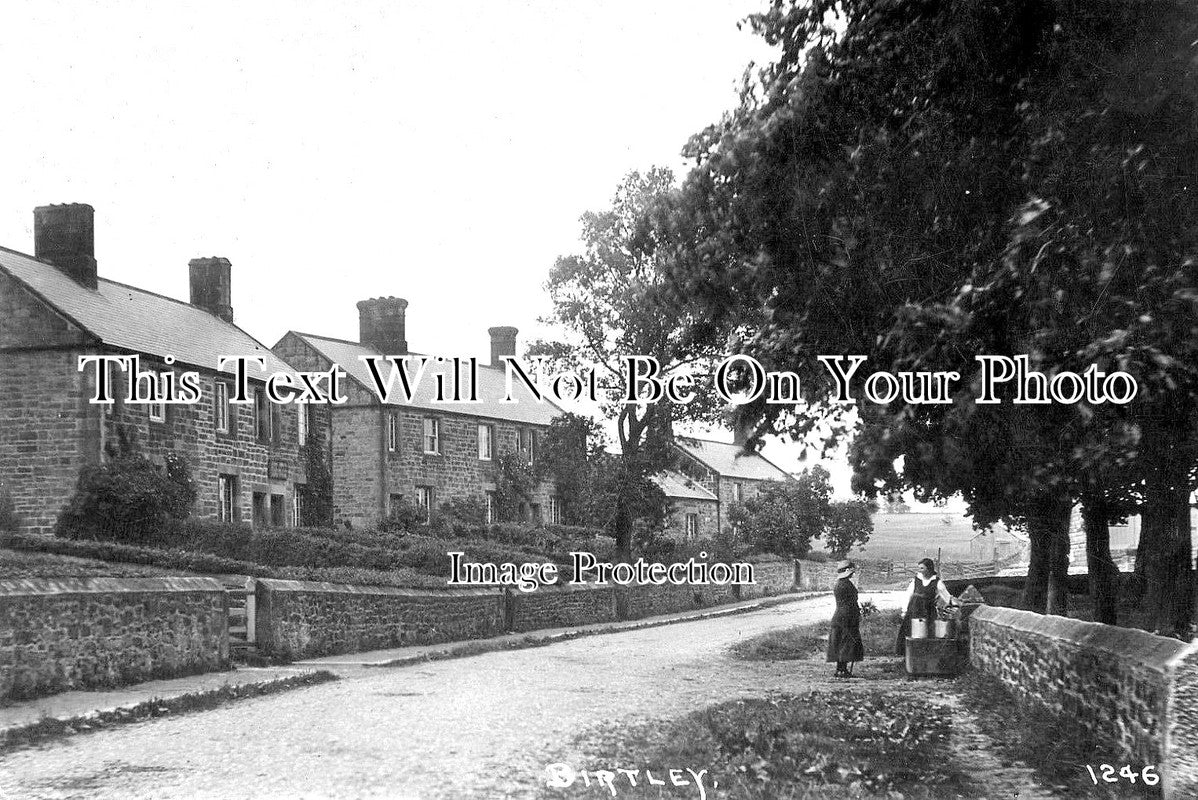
191, 561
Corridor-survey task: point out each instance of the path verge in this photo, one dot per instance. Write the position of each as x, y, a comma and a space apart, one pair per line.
33, 722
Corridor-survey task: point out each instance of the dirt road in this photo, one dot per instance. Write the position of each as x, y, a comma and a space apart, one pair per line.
485, 726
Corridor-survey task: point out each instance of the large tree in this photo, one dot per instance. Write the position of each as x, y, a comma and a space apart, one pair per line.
926, 182
610, 303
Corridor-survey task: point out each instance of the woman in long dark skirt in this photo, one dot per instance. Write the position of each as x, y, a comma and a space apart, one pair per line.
844, 641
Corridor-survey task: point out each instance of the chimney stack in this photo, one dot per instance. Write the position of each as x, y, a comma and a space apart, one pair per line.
381, 324
742, 429
211, 286
503, 343
64, 235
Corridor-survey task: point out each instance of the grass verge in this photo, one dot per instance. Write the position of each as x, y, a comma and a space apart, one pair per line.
1057, 749
878, 632
838, 744
52, 728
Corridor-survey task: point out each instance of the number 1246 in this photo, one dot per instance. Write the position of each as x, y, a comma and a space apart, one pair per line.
1106, 773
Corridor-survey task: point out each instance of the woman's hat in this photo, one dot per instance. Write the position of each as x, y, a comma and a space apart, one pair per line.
845, 568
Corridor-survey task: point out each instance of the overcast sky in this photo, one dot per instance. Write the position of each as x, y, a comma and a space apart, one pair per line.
338, 151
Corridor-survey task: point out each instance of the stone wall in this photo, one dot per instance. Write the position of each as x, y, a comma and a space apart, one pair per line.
57, 635
47, 432
1135, 693
84, 633
1079, 583
771, 578
303, 619
558, 607
635, 602
1181, 727
815, 575
714, 595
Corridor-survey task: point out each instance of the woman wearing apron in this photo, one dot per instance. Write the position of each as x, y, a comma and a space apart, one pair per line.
922, 593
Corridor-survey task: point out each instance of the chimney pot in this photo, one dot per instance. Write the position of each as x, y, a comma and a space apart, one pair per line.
503, 343
211, 286
65, 236
381, 324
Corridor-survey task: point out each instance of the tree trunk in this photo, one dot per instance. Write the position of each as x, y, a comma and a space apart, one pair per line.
1104, 575
1058, 563
1035, 589
1183, 597
1146, 551
622, 530
1165, 532
1047, 587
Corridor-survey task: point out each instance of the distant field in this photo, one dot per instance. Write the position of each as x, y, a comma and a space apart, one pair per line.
906, 538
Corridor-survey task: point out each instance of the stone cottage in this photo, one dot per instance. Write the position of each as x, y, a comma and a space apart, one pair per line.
246, 458
694, 510
431, 448
726, 473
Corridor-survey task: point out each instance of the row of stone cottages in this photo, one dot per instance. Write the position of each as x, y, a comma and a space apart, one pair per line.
249, 460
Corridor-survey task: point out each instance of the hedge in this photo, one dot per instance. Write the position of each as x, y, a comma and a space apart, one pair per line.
192, 561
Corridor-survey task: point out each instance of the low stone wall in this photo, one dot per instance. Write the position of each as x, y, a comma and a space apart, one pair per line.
719, 595
771, 578
554, 607
637, 602
304, 619
1078, 583
815, 575
85, 633
1134, 692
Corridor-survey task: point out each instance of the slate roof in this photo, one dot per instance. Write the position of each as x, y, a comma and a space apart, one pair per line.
730, 460
678, 486
129, 318
492, 384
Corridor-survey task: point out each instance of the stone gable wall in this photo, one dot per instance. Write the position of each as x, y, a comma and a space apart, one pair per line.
47, 433
26, 321
48, 430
